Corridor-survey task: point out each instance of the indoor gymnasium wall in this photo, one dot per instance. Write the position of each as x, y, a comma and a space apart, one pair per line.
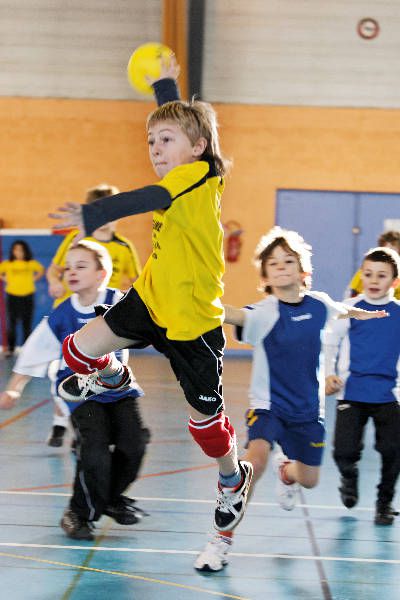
52, 150
276, 71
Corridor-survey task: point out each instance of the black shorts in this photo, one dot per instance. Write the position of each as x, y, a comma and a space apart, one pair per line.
197, 364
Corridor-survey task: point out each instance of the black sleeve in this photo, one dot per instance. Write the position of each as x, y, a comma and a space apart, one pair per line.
238, 333
111, 208
166, 90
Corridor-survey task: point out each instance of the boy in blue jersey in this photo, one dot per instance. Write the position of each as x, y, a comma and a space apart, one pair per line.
286, 391
365, 373
109, 419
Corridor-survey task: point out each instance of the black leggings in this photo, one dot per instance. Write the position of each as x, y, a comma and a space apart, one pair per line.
102, 474
351, 419
19, 308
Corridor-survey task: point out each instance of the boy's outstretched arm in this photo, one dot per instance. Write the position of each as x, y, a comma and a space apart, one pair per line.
361, 314
233, 316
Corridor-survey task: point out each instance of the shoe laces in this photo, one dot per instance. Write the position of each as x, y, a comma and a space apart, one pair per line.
87, 383
226, 500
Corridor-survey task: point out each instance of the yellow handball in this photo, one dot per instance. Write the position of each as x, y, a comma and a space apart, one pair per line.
146, 62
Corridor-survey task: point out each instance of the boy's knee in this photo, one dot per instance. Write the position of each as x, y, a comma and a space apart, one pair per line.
216, 436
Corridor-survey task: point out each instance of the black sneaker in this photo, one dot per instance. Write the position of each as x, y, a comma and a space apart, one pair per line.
77, 388
385, 514
349, 491
124, 511
231, 502
56, 437
76, 527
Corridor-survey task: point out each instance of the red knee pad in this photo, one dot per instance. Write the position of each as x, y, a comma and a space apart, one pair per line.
79, 362
216, 436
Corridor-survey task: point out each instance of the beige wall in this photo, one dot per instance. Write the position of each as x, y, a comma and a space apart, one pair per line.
52, 150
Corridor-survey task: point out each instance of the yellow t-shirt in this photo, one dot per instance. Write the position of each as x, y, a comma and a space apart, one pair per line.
19, 276
357, 286
125, 261
181, 283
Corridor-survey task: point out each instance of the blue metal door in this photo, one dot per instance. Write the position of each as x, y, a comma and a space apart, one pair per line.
340, 226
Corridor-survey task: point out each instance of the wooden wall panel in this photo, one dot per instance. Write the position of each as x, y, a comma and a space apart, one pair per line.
301, 53
74, 49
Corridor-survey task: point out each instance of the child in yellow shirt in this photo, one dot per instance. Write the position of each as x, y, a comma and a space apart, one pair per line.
19, 272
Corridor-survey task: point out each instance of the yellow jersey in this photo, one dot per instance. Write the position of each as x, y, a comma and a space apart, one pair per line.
20, 276
356, 286
125, 261
181, 283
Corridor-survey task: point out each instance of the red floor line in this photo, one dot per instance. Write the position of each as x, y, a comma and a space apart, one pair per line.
68, 485
23, 414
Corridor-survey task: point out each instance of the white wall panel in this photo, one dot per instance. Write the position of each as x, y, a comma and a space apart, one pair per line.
290, 52
303, 52
72, 48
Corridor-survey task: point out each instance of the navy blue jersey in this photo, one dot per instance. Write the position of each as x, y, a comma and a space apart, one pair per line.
368, 359
287, 368
44, 345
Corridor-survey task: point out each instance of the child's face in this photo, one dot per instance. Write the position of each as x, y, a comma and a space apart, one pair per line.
282, 269
169, 147
18, 252
81, 271
377, 278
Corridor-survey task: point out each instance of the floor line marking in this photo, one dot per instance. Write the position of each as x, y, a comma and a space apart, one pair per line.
23, 413
188, 500
323, 580
348, 559
192, 588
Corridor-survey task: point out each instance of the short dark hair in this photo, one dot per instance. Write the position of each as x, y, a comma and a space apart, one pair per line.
384, 255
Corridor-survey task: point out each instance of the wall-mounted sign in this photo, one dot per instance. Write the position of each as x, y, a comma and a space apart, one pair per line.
368, 28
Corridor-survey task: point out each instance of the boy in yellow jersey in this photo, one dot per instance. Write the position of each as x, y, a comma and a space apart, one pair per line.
389, 239
125, 260
175, 303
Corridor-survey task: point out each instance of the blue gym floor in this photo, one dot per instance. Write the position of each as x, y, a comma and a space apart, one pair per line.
319, 551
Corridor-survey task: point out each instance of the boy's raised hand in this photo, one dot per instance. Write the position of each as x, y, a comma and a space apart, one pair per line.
169, 69
70, 215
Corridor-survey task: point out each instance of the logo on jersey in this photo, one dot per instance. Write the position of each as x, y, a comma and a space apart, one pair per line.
207, 398
304, 317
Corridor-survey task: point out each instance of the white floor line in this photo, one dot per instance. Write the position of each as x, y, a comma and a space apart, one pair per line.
349, 559
193, 501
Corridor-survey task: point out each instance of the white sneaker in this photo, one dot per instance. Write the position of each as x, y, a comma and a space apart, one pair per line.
77, 388
231, 502
214, 556
286, 492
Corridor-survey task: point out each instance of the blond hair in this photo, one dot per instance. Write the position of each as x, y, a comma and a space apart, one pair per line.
197, 120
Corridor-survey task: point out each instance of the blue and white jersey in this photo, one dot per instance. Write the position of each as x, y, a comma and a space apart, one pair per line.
366, 354
44, 345
287, 371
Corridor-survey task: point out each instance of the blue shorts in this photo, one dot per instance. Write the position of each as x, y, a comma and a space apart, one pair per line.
299, 441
